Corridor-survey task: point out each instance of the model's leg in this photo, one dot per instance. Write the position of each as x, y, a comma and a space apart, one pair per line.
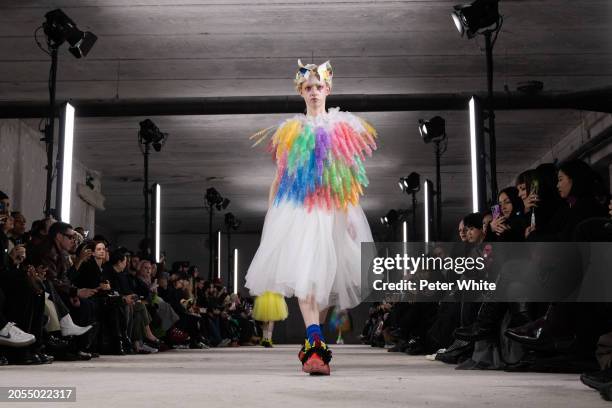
266, 336
310, 310
314, 355
269, 329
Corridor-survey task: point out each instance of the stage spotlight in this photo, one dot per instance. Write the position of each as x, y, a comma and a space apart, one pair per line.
213, 198
391, 218
432, 130
471, 18
157, 251
231, 222
223, 204
64, 178
150, 134
410, 184
59, 28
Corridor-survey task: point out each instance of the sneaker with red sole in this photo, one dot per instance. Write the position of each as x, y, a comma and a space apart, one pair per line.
315, 357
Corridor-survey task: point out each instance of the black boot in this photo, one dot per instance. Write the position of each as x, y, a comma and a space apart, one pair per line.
597, 379
487, 322
542, 334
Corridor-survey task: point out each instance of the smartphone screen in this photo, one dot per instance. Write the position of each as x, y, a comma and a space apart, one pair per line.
534, 187
496, 211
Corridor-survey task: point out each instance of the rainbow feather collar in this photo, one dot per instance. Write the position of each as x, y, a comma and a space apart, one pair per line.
320, 160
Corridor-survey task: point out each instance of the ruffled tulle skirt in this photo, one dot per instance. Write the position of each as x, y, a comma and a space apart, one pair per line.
270, 307
311, 253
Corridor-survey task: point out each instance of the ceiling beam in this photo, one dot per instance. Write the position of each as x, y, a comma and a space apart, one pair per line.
599, 100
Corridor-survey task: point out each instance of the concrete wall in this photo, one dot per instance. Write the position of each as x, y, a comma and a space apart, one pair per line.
23, 175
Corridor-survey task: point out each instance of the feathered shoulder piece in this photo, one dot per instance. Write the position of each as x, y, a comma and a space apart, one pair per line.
320, 159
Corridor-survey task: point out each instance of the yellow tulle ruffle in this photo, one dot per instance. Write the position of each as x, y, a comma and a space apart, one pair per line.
270, 307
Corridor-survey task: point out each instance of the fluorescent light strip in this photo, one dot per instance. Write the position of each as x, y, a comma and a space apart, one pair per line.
67, 162
157, 222
405, 231
426, 189
236, 270
219, 254
474, 158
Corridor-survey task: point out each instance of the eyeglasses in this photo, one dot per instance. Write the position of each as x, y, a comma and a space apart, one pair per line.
70, 236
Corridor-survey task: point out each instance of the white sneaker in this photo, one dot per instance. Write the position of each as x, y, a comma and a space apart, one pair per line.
148, 348
13, 336
68, 327
224, 343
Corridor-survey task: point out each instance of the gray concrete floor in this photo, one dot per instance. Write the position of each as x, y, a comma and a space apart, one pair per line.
255, 377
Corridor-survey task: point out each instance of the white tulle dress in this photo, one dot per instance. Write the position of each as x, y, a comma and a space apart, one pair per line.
313, 230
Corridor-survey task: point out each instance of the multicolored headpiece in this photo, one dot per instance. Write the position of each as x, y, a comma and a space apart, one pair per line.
322, 72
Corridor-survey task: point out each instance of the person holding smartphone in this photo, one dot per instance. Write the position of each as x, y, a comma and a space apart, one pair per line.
508, 220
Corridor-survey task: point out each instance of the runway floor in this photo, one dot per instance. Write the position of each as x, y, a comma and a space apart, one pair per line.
256, 377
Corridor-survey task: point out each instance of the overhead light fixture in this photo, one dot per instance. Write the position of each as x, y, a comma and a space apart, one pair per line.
432, 130
236, 271
157, 251
65, 147
59, 28
470, 19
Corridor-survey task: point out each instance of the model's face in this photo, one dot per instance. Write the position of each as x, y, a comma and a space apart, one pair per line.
505, 204
315, 93
564, 184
